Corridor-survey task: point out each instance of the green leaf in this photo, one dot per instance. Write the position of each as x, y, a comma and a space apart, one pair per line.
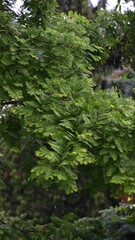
113, 154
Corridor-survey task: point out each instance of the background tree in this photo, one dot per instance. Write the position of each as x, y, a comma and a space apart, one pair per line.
84, 7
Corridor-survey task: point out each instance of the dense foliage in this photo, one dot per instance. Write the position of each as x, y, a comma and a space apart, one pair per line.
48, 78
112, 224
57, 128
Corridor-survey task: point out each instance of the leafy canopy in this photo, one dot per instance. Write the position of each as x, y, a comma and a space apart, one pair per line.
47, 92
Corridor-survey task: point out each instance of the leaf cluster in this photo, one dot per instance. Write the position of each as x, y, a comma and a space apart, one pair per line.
48, 92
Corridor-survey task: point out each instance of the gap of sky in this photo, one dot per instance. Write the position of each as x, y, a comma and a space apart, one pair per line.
112, 3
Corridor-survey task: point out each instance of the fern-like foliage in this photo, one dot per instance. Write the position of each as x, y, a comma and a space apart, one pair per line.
47, 91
